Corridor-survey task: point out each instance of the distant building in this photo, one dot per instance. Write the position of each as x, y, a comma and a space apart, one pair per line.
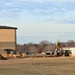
7, 38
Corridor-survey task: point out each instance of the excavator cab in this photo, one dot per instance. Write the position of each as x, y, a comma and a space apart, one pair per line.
59, 53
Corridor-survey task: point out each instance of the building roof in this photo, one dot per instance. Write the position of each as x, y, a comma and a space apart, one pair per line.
7, 27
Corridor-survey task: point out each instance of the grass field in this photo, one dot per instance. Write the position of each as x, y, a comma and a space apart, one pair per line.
38, 66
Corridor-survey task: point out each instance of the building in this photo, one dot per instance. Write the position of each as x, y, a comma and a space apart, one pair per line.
7, 39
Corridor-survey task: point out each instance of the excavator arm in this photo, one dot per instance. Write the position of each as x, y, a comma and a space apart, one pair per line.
59, 49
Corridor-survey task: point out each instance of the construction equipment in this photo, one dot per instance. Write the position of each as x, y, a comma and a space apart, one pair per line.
67, 53
2, 58
59, 51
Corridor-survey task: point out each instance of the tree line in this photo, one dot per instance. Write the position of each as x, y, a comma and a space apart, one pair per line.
43, 46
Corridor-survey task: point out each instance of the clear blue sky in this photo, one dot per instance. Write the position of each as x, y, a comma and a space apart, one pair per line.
39, 20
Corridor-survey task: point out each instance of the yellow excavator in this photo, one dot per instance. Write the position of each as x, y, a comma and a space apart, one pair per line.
59, 51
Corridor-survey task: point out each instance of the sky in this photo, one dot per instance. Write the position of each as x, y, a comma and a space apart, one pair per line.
39, 20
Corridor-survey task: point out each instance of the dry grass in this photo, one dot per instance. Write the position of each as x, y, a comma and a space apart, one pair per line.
38, 66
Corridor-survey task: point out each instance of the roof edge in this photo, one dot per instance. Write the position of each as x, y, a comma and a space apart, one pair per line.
7, 27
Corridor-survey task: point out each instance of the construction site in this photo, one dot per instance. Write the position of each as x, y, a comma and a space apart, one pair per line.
8, 47
58, 52
59, 61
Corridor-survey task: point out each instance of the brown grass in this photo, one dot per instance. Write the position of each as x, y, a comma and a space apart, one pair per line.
38, 66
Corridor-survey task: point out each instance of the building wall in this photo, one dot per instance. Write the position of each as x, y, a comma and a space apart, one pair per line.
7, 39
73, 51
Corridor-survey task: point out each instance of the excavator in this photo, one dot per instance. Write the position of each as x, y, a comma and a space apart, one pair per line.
59, 51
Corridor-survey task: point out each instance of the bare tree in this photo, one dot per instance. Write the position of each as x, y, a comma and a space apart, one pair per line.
43, 44
20, 48
49, 47
71, 43
33, 48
